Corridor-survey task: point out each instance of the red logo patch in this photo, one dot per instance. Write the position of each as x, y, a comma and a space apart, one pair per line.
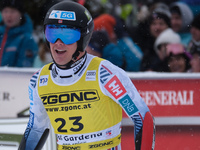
115, 87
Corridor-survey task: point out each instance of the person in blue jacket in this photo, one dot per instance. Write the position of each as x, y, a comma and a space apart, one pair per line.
181, 18
17, 46
118, 48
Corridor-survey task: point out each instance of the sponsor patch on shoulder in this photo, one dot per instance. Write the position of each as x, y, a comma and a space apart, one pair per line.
91, 75
43, 80
64, 15
115, 87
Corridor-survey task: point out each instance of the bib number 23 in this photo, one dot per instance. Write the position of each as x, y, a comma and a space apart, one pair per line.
78, 126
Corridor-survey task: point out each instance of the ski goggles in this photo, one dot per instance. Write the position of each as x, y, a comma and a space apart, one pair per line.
65, 34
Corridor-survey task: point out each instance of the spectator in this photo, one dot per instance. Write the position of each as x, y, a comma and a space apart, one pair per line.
178, 59
194, 45
101, 46
131, 53
195, 33
195, 60
107, 23
181, 19
141, 33
18, 48
158, 21
168, 36
43, 57
94, 47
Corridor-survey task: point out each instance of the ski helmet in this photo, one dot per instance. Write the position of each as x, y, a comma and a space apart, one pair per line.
74, 16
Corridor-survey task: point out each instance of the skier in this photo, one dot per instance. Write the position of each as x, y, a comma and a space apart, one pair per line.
81, 95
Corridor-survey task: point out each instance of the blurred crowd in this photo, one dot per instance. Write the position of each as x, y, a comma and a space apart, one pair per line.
147, 35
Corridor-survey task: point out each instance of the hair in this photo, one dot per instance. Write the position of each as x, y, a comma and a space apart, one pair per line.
160, 15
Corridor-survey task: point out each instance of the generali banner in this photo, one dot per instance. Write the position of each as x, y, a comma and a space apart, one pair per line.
171, 97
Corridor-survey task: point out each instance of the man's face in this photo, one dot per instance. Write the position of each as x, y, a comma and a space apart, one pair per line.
157, 26
63, 42
11, 17
195, 33
176, 22
61, 52
177, 63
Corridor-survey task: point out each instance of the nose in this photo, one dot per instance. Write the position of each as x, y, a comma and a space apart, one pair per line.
59, 41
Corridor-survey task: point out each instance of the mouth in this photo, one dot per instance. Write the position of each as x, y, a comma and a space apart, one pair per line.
9, 21
60, 51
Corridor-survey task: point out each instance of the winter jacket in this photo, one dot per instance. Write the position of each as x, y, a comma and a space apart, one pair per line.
125, 54
20, 48
131, 52
112, 53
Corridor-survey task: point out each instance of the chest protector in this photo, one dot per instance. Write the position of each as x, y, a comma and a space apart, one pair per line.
79, 108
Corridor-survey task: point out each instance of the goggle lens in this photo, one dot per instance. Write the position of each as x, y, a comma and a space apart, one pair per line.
62, 32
